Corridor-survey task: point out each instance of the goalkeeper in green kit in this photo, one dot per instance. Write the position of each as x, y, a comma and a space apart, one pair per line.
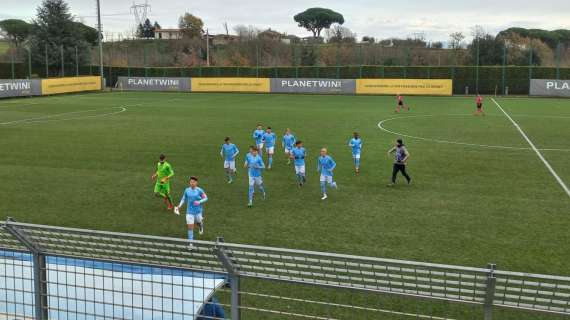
162, 177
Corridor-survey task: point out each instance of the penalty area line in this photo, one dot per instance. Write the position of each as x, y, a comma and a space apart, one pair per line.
540, 156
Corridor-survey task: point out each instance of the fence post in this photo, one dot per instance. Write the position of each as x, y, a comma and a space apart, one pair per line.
40, 271
225, 259
12, 62
47, 61
490, 291
62, 62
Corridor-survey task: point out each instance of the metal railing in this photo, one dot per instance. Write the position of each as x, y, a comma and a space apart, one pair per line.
58, 273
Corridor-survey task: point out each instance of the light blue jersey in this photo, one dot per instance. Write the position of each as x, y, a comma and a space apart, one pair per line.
229, 151
254, 164
191, 196
289, 141
326, 165
269, 139
356, 145
299, 156
258, 136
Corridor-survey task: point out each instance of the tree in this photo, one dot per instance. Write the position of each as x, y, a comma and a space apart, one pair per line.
191, 26
456, 40
317, 19
340, 34
156, 26
246, 33
140, 31
436, 45
368, 39
53, 30
89, 34
16, 30
147, 30
490, 49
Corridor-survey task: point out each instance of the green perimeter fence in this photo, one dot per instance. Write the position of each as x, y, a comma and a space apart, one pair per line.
466, 79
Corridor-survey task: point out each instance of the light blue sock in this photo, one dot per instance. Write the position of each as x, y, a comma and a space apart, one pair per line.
333, 184
357, 163
190, 234
250, 193
323, 187
270, 160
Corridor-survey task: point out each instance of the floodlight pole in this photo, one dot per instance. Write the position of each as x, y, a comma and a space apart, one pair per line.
99, 36
207, 47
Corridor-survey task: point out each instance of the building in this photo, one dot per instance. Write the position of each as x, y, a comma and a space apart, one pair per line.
168, 34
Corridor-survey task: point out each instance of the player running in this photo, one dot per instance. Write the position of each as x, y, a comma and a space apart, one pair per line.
162, 177
258, 137
194, 197
401, 155
269, 139
298, 155
325, 166
229, 152
254, 164
356, 144
401, 104
479, 103
288, 144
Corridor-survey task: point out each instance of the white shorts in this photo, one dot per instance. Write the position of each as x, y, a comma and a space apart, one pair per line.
288, 150
255, 181
230, 165
191, 217
327, 179
356, 156
270, 150
300, 169
260, 146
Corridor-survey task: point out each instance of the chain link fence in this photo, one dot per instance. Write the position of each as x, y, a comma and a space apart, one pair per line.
62, 273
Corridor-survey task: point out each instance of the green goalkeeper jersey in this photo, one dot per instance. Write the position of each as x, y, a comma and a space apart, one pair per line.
164, 170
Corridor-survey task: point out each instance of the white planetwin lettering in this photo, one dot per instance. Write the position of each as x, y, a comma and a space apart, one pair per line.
15, 86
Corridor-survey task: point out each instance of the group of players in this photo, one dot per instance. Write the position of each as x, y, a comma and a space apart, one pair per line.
294, 151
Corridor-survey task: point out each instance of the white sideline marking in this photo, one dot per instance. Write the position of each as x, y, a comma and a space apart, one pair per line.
548, 166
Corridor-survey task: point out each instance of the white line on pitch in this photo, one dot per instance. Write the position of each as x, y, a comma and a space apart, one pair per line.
548, 166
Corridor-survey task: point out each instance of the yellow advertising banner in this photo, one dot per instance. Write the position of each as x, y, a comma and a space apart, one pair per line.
230, 85
435, 87
70, 84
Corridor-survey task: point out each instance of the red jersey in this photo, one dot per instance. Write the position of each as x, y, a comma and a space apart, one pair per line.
479, 99
400, 99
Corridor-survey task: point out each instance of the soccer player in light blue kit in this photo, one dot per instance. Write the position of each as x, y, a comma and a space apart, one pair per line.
298, 155
258, 137
229, 152
269, 138
325, 166
356, 144
288, 144
195, 197
254, 164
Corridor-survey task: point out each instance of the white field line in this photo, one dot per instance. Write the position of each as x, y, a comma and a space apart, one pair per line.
48, 118
548, 166
381, 127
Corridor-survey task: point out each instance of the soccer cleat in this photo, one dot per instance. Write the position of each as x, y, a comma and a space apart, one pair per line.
230, 181
170, 206
201, 228
324, 197
264, 196
190, 247
391, 185
250, 204
177, 211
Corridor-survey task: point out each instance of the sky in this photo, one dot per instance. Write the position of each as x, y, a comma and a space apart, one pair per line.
378, 18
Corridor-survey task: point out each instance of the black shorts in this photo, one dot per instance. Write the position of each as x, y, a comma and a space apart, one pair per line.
400, 103
479, 105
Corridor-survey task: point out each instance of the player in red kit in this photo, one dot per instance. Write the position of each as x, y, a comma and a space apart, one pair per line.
401, 104
479, 102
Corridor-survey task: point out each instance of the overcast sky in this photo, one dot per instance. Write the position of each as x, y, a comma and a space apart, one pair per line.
378, 18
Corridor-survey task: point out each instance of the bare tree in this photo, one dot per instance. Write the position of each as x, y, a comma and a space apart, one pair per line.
226, 28
456, 40
340, 34
246, 33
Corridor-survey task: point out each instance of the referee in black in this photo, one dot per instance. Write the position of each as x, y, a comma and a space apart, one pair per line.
401, 157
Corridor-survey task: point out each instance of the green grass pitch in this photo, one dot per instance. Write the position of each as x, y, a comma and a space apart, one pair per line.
86, 161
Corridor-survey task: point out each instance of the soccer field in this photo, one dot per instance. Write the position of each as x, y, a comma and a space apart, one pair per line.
480, 193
